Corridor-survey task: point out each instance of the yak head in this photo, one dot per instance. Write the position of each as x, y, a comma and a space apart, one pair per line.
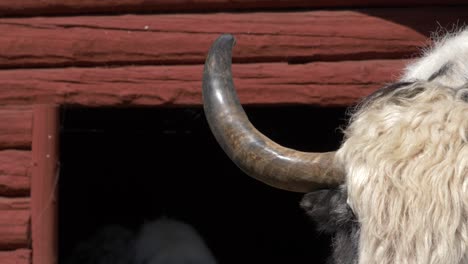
396, 191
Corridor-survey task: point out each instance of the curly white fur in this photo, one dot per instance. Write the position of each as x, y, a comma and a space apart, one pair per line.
406, 158
407, 162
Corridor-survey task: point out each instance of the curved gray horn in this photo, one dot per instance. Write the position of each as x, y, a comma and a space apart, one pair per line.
254, 153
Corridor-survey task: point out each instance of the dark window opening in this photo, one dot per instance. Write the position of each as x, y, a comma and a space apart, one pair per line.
128, 166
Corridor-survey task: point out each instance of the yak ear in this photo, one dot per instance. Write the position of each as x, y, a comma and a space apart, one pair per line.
328, 208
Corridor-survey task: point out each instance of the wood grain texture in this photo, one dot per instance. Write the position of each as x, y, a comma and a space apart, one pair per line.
61, 7
186, 38
19, 256
325, 84
15, 217
44, 184
15, 126
15, 173
21, 203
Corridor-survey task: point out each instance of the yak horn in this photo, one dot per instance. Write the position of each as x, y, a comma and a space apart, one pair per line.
254, 153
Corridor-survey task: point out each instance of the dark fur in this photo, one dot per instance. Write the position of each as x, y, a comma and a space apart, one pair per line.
110, 245
160, 241
331, 213
442, 71
384, 91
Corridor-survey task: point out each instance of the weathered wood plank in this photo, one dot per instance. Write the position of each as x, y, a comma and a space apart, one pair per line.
19, 256
21, 203
15, 170
60, 7
186, 38
15, 217
15, 126
44, 192
325, 84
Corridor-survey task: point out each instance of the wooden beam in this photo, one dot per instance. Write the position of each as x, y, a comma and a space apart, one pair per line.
324, 84
19, 256
15, 216
186, 38
22, 203
57, 7
15, 126
44, 218
15, 172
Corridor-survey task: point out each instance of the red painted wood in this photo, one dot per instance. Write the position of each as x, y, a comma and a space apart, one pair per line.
325, 84
44, 221
15, 170
15, 216
14, 203
183, 39
19, 256
49, 7
15, 126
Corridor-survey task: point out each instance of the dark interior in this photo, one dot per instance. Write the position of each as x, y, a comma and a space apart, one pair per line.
127, 166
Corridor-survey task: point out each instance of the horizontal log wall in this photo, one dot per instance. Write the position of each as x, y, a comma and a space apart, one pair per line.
15, 126
261, 37
15, 165
296, 56
62, 7
15, 171
19, 256
300, 37
15, 218
259, 83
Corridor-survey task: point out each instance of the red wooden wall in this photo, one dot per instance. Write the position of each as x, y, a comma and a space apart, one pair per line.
127, 53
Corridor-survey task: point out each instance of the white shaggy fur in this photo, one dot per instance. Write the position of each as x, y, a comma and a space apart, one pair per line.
406, 159
451, 49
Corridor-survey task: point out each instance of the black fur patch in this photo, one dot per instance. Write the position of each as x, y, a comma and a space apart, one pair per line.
330, 211
384, 91
443, 70
462, 94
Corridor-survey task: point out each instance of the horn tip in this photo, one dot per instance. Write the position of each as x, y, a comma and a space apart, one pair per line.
227, 38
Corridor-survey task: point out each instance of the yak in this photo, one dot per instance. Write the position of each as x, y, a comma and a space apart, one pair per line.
160, 241
396, 191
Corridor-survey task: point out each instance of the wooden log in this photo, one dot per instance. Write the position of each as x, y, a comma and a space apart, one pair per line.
324, 84
15, 126
44, 202
15, 217
19, 256
15, 170
21, 203
185, 39
57, 7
